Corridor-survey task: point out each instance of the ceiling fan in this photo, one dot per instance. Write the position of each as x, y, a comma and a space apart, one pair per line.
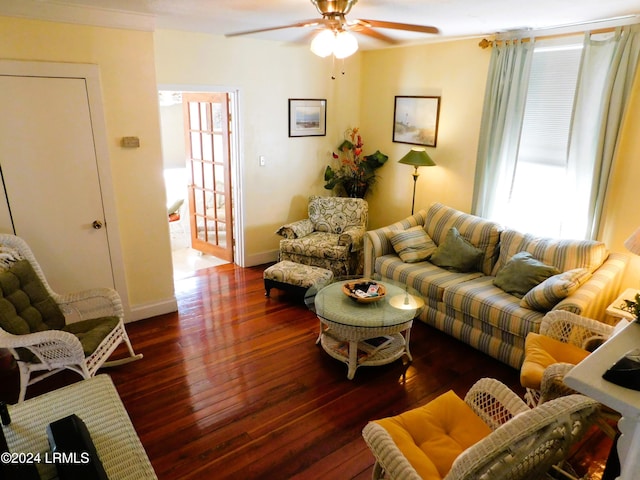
335, 35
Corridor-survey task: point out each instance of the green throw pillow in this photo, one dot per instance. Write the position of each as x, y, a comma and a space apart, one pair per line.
457, 253
412, 245
543, 297
521, 273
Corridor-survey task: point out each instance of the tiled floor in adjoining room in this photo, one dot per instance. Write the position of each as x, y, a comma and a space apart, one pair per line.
186, 260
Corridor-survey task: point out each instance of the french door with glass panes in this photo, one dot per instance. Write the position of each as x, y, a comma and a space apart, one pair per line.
206, 118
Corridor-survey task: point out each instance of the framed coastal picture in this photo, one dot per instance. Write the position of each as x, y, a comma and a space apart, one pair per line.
307, 117
415, 120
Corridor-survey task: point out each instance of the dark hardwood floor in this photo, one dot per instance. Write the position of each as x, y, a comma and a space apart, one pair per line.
234, 386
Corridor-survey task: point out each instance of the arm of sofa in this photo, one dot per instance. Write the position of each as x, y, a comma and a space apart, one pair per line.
353, 236
376, 242
592, 299
300, 228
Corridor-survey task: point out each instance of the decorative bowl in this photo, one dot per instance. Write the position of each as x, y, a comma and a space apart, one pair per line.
366, 288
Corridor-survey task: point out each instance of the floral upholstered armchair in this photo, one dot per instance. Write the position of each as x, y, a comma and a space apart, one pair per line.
332, 237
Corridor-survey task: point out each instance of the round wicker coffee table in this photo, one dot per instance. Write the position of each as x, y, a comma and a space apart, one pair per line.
372, 333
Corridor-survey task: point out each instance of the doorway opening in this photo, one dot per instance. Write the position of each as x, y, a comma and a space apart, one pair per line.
199, 147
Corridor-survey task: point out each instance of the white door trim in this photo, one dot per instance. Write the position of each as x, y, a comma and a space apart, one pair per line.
91, 74
237, 195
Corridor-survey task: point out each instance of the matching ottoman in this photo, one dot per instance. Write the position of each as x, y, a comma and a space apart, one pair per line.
287, 275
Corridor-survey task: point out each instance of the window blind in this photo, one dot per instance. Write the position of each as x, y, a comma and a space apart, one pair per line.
549, 104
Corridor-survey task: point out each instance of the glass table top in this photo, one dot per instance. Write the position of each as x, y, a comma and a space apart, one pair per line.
399, 305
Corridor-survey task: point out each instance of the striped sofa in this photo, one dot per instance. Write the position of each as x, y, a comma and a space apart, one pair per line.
467, 305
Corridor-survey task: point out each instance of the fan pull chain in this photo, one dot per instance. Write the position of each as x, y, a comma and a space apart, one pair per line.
333, 68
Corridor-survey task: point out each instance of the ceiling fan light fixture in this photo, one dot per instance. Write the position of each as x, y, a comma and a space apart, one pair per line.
334, 6
323, 43
345, 45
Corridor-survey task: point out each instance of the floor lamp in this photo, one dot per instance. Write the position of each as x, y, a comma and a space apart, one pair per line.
417, 157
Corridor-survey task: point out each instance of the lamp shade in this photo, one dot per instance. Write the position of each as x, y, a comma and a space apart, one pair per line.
323, 43
633, 242
417, 157
346, 45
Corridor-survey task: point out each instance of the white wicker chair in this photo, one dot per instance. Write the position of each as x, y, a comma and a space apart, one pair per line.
525, 443
56, 350
573, 329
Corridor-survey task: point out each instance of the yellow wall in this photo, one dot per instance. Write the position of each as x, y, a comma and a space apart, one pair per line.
622, 210
126, 61
267, 74
457, 72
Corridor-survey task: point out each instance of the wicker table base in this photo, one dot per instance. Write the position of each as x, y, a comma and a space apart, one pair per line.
97, 403
365, 334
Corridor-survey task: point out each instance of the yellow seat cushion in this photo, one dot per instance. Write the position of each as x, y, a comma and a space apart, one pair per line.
541, 351
431, 437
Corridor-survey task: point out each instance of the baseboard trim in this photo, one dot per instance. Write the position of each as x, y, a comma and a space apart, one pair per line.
140, 312
261, 258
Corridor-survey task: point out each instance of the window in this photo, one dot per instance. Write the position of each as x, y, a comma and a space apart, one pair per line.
540, 200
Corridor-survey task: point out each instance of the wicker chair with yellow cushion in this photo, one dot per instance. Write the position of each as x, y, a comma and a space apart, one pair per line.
490, 435
565, 339
48, 332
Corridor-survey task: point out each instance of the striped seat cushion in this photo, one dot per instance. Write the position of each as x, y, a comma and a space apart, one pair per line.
562, 254
428, 279
481, 299
481, 233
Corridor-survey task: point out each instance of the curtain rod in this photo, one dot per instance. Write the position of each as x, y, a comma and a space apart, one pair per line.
525, 35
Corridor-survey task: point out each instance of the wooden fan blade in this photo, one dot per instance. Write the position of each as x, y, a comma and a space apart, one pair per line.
304, 23
374, 34
401, 26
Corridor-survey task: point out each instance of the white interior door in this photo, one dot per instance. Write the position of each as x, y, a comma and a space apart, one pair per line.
52, 194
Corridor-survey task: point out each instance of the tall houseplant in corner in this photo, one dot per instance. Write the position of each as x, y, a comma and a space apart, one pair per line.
355, 173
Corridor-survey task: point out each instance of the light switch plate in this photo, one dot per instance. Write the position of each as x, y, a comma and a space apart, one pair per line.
130, 142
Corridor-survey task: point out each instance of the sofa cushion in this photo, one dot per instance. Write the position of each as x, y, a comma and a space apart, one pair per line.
521, 273
430, 280
480, 232
457, 253
432, 436
563, 254
481, 299
316, 244
412, 245
546, 295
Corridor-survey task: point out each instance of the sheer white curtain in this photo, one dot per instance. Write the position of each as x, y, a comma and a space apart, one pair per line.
608, 68
502, 115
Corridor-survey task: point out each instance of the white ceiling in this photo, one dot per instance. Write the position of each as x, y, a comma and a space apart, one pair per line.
454, 18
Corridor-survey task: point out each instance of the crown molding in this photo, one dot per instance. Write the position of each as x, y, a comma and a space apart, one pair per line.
77, 14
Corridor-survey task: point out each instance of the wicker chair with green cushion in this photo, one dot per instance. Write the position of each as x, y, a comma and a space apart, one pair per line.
49, 332
491, 434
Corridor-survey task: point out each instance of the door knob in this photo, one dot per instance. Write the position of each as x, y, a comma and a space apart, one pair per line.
97, 224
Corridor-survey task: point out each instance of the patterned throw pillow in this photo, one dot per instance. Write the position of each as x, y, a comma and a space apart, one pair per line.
544, 296
412, 245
